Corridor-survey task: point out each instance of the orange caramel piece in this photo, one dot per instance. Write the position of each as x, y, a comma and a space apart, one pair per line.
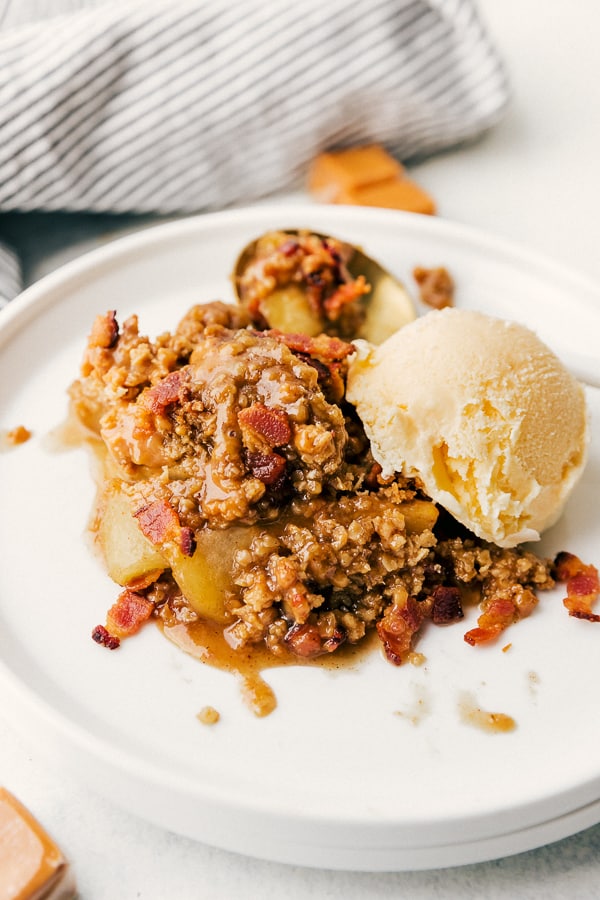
18, 435
32, 867
366, 176
346, 170
401, 194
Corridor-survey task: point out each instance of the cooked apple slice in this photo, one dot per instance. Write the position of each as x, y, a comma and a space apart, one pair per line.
389, 308
128, 554
289, 310
419, 515
205, 578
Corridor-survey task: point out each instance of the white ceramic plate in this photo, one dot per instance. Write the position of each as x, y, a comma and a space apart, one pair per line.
371, 767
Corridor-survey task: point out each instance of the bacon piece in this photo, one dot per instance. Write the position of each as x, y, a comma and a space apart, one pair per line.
398, 626
289, 247
267, 467
103, 637
447, 606
500, 612
317, 282
187, 541
322, 347
498, 615
329, 285
567, 565
371, 478
304, 640
105, 331
165, 392
143, 581
322, 370
324, 353
128, 614
160, 523
583, 586
332, 643
344, 294
482, 635
329, 375
269, 422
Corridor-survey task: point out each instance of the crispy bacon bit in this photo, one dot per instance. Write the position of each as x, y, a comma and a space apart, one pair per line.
372, 476
105, 331
324, 353
330, 377
447, 606
500, 612
145, 580
128, 614
322, 370
396, 629
159, 522
269, 422
482, 635
337, 638
304, 640
567, 565
583, 586
103, 637
289, 247
345, 293
497, 616
322, 347
436, 286
187, 541
267, 467
165, 392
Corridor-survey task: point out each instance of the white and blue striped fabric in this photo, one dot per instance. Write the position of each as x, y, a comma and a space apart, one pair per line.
179, 106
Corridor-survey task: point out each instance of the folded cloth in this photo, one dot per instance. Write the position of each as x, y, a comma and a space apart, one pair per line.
179, 107
10, 274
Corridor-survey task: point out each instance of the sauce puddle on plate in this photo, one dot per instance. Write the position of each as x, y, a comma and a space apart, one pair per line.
206, 643
472, 714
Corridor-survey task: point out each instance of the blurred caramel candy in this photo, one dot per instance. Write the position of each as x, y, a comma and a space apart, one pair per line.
404, 194
366, 176
32, 867
349, 170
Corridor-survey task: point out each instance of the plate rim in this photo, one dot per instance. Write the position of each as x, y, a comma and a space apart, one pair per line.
46, 292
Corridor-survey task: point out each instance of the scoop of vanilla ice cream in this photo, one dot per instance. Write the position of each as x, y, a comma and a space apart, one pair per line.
482, 412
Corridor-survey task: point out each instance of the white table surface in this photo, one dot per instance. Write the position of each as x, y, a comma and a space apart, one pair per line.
534, 179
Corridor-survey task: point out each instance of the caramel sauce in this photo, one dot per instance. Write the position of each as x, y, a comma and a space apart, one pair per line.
211, 489
208, 715
472, 714
419, 709
14, 437
205, 642
202, 639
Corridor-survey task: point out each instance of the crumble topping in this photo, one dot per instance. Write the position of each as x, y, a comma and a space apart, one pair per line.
252, 482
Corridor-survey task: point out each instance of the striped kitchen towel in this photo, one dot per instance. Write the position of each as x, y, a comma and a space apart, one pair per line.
191, 105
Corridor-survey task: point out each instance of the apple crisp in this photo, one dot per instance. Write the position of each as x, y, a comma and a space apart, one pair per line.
238, 487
